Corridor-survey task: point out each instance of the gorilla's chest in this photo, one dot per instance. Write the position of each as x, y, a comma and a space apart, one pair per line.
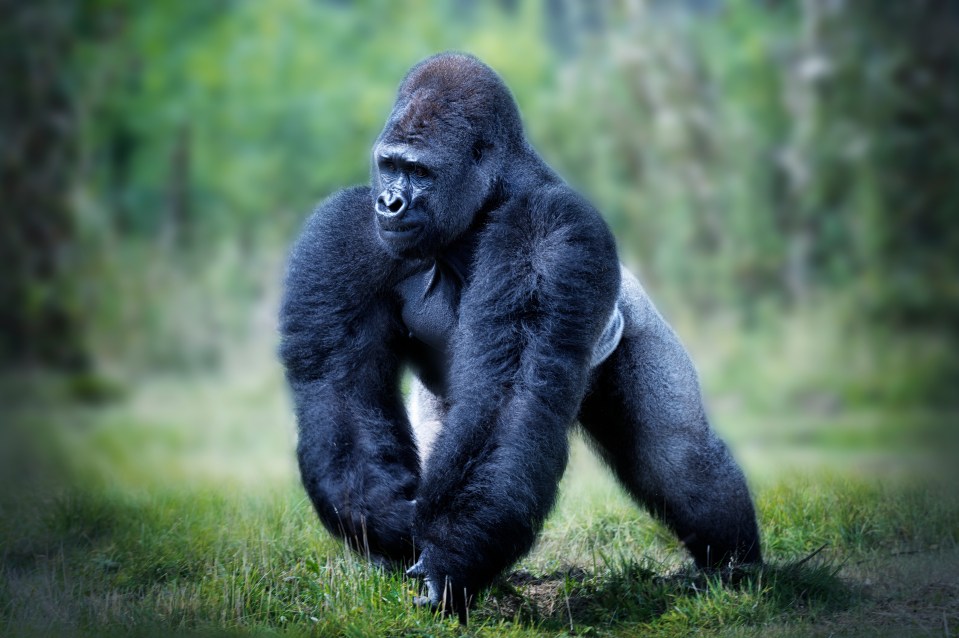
430, 304
429, 307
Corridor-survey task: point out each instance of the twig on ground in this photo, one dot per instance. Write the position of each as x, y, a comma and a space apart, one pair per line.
811, 556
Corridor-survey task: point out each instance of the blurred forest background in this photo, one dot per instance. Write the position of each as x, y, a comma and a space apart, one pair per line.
784, 176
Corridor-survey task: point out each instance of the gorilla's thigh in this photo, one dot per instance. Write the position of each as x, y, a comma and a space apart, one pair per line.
643, 408
427, 413
644, 411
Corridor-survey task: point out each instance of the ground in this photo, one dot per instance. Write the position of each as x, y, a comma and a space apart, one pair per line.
172, 504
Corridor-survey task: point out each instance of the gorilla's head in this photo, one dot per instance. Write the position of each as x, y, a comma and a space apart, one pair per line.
441, 153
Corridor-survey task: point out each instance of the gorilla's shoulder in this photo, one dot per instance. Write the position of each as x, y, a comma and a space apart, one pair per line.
338, 216
556, 217
335, 231
338, 242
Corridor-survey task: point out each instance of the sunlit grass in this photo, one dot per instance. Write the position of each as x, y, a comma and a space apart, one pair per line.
202, 555
174, 505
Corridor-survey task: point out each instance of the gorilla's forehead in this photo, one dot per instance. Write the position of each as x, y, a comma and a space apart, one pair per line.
426, 115
411, 152
424, 108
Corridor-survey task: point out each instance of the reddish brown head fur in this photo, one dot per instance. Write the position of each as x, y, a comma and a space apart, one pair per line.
453, 91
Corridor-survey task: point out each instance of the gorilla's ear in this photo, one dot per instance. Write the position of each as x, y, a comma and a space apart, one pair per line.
480, 148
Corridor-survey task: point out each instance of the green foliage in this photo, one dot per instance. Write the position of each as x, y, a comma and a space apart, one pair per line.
749, 155
746, 158
277, 105
746, 154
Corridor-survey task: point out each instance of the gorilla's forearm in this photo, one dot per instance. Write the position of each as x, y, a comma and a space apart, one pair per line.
520, 369
359, 466
339, 334
490, 484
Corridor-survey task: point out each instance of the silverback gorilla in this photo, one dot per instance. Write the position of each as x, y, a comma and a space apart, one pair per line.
469, 261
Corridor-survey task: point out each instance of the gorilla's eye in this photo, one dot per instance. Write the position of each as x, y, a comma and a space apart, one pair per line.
388, 165
420, 171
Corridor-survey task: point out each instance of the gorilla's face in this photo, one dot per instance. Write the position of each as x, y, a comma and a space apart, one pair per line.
426, 195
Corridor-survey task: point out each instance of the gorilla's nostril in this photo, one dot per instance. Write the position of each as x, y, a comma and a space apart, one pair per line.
390, 204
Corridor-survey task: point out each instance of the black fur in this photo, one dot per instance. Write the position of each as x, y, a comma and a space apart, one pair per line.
473, 263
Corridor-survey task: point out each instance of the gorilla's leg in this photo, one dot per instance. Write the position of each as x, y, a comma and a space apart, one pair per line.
427, 412
645, 414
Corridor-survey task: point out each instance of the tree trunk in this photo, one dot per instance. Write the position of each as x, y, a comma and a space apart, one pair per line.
39, 321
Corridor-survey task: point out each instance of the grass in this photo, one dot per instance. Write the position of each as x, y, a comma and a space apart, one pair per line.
174, 507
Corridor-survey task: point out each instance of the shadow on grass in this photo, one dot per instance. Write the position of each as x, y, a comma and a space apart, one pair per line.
629, 592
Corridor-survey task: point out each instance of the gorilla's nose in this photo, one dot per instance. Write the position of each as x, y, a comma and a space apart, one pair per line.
391, 204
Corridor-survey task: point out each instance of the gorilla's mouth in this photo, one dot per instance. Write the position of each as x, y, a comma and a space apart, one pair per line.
400, 232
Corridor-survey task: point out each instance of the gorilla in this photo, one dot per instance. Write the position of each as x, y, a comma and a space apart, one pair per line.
469, 262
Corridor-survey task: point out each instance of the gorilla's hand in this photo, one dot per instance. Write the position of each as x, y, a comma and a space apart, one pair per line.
442, 594
387, 530
418, 570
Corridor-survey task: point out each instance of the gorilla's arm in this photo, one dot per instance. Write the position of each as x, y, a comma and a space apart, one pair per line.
356, 453
544, 282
